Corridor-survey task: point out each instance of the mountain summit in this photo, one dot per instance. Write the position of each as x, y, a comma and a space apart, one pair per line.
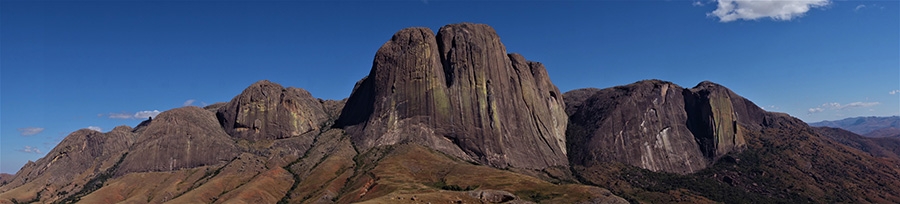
460, 93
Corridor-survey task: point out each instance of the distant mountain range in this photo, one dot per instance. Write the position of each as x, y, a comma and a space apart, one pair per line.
452, 117
866, 126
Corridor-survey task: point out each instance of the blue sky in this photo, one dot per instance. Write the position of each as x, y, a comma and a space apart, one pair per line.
74, 64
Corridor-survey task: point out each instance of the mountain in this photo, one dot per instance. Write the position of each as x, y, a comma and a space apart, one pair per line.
452, 117
266, 110
184, 137
460, 93
867, 126
5, 178
888, 132
635, 143
658, 125
75, 166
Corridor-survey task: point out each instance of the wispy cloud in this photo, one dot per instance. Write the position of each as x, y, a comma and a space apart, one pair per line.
839, 106
188, 102
732, 10
120, 115
139, 115
29, 131
146, 114
894, 92
870, 6
30, 149
698, 3
861, 6
95, 128
814, 110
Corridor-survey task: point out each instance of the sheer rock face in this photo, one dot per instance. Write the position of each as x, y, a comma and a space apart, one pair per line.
641, 124
658, 125
266, 110
460, 93
717, 114
184, 137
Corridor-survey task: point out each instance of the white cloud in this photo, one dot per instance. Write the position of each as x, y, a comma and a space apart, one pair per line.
781, 10
146, 114
858, 105
698, 3
814, 110
839, 106
29, 131
141, 115
95, 128
188, 102
120, 115
30, 149
861, 6
894, 92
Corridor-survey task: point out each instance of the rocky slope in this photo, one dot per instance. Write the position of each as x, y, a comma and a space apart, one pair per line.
876, 146
753, 156
82, 157
180, 138
459, 92
5, 178
888, 132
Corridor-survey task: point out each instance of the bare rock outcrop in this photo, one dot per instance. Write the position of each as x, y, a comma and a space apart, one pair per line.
82, 156
460, 93
716, 116
658, 125
641, 124
266, 110
184, 137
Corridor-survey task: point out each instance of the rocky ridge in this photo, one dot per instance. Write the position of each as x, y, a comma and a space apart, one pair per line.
180, 138
70, 166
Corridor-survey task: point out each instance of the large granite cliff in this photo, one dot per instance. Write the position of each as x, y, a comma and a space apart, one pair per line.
459, 92
658, 125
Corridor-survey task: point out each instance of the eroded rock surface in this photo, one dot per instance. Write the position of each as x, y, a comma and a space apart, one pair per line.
641, 124
716, 116
460, 93
658, 125
184, 137
77, 159
266, 110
